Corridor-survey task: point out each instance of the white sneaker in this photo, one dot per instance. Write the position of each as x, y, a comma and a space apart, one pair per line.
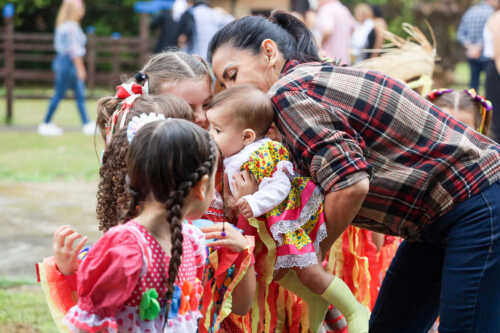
89, 128
49, 129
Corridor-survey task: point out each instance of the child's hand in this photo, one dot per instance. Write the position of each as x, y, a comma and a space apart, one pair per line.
232, 238
65, 255
244, 208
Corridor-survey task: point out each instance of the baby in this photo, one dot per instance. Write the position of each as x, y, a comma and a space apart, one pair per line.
287, 206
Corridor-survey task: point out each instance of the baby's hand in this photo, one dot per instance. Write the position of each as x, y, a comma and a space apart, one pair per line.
244, 208
65, 255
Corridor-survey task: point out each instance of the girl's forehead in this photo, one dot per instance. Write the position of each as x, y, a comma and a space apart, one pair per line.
193, 91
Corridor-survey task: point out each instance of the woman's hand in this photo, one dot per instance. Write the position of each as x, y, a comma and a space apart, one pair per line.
226, 235
243, 184
65, 255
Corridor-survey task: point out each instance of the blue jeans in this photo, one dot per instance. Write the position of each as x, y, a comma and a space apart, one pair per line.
454, 273
476, 67
66, 78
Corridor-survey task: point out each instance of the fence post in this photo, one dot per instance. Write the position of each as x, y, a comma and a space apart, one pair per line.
91, 55
115, 58
144, 36
8, 15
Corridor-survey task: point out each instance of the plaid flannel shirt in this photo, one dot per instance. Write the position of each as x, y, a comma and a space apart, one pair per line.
343, 124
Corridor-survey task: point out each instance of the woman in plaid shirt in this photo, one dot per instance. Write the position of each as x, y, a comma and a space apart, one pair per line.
387, 160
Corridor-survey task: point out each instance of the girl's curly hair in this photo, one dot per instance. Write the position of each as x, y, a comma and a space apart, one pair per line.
113, 195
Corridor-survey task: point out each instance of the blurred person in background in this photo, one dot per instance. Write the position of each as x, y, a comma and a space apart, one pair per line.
470, 35
363, 14
335, 25
168, 26
68, 66
376, 36
492, 50
198, 25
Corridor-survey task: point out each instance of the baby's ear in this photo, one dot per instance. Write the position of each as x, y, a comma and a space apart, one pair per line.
249, 136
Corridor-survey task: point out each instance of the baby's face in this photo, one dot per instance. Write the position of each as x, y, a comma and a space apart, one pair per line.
226, 130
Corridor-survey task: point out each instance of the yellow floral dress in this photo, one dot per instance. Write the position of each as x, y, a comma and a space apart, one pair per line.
297, 222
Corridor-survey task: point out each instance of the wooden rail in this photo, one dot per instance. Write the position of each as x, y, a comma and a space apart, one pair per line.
107, 58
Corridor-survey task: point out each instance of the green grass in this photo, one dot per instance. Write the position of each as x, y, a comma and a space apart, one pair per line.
27, 156
23, 309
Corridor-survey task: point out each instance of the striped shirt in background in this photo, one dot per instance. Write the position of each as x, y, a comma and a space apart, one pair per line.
70, 39
470, 30
343, 125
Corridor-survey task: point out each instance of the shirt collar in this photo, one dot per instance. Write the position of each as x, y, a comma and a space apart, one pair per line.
289, 65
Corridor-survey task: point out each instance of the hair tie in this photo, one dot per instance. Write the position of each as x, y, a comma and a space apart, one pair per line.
140, 77
485, 106
433, 94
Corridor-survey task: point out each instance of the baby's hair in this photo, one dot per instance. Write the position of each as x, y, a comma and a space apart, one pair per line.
251, 107
112, 195
168, 66
166, 159
464, 101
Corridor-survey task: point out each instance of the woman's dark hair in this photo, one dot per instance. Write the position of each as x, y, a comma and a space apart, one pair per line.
293, 38
165, 160
113, 196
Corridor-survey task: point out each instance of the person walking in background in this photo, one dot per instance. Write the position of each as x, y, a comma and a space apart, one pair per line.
198, 25
335, 24
492, 50
470, 35
69, 42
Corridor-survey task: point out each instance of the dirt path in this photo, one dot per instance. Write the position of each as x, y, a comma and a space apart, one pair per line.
31, 212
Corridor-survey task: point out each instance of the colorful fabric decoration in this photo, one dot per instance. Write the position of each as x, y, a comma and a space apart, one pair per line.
128, 93
486, 106
138, 122
149, 308
437, 92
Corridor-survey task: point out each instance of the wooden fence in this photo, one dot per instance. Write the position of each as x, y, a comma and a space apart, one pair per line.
107, 58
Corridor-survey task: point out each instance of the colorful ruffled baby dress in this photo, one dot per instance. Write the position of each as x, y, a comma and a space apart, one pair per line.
291, 206
122, 284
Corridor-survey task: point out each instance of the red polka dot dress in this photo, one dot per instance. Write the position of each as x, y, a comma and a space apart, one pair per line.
121, 270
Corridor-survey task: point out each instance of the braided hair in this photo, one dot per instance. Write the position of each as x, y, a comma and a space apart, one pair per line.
113, 195
166, 159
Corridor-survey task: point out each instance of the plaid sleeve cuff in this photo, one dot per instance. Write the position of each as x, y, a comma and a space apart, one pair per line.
344, 183
339, 165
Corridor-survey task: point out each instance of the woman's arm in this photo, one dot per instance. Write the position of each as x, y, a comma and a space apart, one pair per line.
340, 209
494, 25
80, 68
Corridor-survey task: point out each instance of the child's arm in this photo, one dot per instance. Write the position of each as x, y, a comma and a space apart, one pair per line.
66, 256
244, 292
272, 191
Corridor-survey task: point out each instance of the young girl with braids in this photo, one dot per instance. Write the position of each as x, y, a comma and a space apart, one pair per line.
145, 275
113, 197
